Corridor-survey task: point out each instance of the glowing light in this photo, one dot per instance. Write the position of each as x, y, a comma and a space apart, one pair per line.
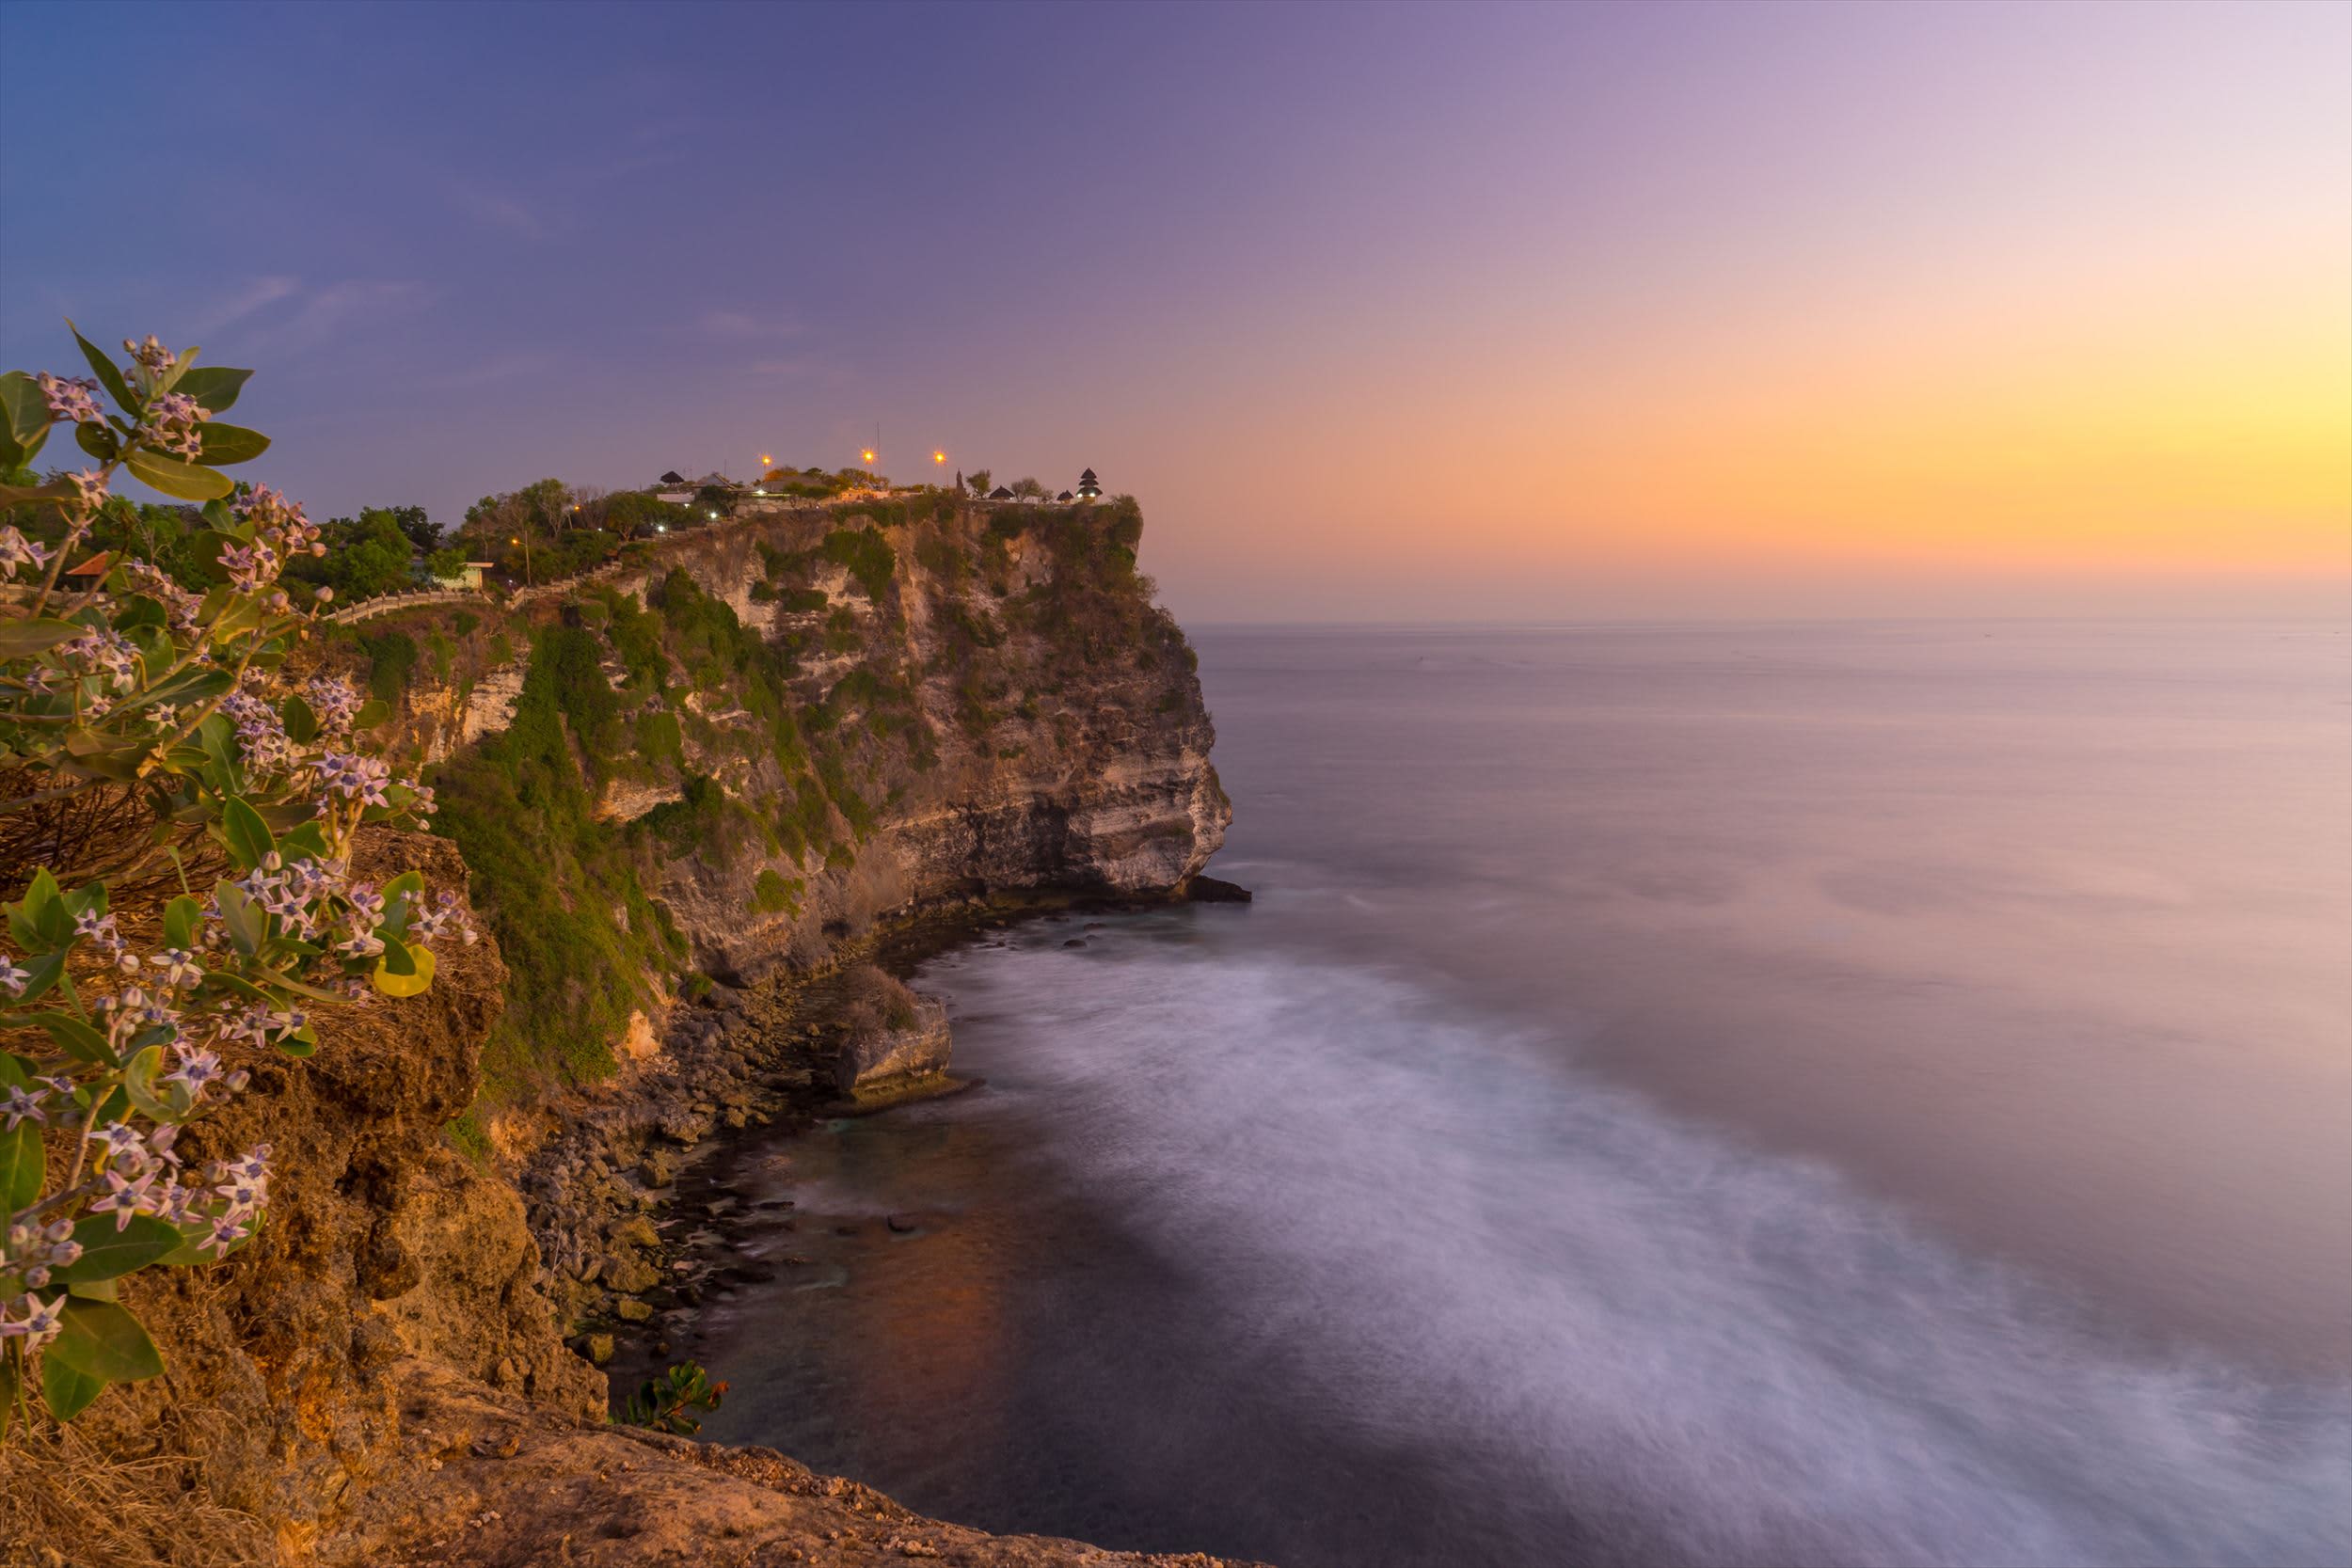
867, 455
939, 457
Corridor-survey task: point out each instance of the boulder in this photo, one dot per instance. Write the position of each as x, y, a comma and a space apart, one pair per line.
872, 1060
629, 1309
629, 1275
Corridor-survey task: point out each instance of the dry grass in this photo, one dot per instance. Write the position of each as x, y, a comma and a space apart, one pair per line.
874, 1004
63, 1500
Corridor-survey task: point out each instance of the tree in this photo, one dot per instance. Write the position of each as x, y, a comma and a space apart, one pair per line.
1028, 489
981, 480
422, 531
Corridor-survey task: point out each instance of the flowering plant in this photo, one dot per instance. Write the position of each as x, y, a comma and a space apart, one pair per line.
155, 756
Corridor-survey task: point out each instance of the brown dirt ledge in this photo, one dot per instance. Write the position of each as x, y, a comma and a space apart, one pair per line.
379, 1378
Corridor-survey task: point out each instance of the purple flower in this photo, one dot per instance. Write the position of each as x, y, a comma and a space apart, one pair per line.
16, 550
123, 1199
225, 1233
19, 1103
120, 1139
73, 398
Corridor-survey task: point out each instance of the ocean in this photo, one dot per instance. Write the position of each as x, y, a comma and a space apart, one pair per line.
1729, 1094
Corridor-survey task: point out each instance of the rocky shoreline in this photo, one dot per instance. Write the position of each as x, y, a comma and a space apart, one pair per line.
635, 1232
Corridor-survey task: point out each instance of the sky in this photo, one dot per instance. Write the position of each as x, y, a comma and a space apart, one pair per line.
1385, 313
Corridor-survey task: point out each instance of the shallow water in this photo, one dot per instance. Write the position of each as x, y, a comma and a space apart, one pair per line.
1741, 1095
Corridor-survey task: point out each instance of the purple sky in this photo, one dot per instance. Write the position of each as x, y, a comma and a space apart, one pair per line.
1322, 284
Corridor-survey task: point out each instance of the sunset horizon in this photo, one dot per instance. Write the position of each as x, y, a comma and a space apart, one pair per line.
2052, 325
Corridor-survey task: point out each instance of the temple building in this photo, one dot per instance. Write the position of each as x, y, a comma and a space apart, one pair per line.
1089, 488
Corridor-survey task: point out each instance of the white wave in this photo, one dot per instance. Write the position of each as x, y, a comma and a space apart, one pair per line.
1710, 1354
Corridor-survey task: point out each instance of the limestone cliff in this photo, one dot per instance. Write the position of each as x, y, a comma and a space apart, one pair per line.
746, 745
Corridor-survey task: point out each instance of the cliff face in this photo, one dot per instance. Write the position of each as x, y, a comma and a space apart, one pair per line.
752, 743
734, 755
1004, 700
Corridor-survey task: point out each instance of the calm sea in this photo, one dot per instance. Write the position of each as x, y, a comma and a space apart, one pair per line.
1843, 1094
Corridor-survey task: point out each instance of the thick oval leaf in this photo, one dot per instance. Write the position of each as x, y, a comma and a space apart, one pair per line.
108, 1253
418, 961
174, 478
109, 377
97, 1338
142, 1080
69, 1392
23, 412
74, 1037
183, 922
300, 718
224, 444
240, 918
23, 638
98, 441
22, 1166
248, 836
213, 386
42, 973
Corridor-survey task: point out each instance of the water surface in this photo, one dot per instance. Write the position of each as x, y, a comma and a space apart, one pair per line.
1731, 1095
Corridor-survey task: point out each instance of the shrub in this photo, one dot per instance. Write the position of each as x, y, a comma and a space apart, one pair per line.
772, 894
145, 733
391, 660
866, 555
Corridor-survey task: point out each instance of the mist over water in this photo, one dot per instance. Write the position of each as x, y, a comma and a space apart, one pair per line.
1659, 1110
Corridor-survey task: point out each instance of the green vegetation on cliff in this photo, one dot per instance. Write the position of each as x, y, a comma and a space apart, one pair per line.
757, 768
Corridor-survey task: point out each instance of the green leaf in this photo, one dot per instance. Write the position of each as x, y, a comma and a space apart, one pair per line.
156, 1101
300, 1043
213, 386
109, 377
303, 840
242, 918
183, 922
403, 897
74, 1037
23, 412
174, 478
246, 835
69, 1392
98, 441
97, 1338
43, 909
371, 713
235, 985
10, 495
224, 444
15, 454
23, 638
403, 971
108, 1253
42, 973
45, 906
23, 1164
300, 718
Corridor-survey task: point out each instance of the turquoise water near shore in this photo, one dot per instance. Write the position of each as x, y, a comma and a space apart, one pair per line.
1849, 1094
